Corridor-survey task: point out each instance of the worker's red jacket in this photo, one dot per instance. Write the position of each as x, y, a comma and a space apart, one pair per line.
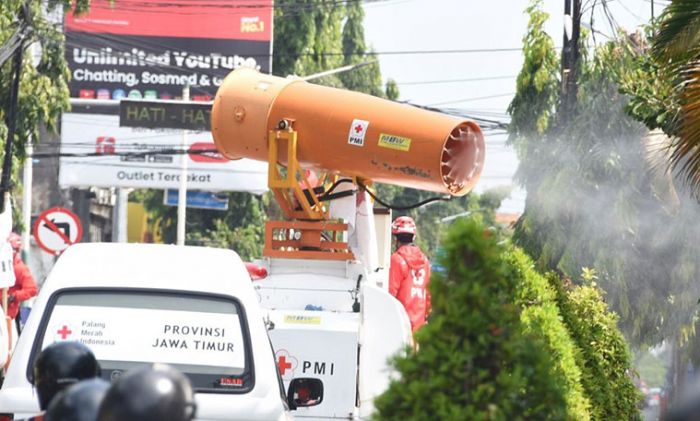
409, 276
24, 288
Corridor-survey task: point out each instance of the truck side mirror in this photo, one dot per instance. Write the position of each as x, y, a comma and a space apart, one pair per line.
304, 392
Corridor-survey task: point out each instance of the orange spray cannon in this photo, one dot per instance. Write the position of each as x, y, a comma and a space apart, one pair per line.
297, 126
348, 133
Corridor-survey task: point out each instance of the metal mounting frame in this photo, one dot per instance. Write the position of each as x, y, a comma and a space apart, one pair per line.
309, 234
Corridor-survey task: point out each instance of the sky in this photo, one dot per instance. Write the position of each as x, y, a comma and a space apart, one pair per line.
430, 25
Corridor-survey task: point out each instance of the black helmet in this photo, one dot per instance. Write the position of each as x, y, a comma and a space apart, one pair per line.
152, 393
80, 402
60, 365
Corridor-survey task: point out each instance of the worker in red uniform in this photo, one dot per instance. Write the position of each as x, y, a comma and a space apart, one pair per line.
25, 286
409, 273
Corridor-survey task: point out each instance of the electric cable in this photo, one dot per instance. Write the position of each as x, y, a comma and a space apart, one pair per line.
440, 81
396, 207
473, 99
285, 10
140, 43
164, 151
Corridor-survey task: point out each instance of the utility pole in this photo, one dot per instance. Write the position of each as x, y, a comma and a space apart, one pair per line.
570, 57
27, 199
11, 126
120, 216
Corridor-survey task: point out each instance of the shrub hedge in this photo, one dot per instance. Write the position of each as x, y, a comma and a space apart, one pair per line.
604, 357
475, 361
541, 317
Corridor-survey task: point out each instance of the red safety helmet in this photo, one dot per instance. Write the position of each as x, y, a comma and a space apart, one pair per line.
15, 241
403, 225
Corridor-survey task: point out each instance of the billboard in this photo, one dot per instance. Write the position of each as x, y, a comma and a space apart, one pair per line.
138, 49
96, 151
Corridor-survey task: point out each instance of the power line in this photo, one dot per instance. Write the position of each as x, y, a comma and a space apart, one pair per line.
475, 79
287, 10
225, 4
116, 39
614, 26
473, 99
630, 12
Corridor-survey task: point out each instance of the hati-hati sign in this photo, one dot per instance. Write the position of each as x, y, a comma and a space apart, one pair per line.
95, 151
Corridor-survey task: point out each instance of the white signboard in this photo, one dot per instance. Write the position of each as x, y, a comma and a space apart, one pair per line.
154, 336
95, 151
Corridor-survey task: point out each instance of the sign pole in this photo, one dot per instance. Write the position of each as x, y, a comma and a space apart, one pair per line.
120, 215
182, 192
27, 176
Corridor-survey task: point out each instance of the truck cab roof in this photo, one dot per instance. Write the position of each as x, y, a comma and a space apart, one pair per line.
159, 266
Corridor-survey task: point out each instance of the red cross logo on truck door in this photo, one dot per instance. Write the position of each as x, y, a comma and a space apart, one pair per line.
64, 332
358, 128
285, 363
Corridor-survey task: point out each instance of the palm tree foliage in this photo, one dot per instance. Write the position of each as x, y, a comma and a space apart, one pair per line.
676, 48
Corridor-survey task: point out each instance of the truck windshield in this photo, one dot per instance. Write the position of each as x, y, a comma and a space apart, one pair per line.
202, 336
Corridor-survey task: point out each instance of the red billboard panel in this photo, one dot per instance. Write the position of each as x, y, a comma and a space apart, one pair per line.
153, 48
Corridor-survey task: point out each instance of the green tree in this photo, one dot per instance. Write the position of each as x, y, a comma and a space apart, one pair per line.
474, 360
392, 90
368, 78
241, 228
308, 38
434, 219
43, 93
592, 201
533, 106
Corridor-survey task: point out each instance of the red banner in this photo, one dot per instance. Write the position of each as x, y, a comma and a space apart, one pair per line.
218, 19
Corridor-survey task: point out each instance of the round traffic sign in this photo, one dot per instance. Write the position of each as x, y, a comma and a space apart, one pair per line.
56, 229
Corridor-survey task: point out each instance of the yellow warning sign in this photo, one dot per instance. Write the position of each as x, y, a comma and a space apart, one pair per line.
394, 142
302, 320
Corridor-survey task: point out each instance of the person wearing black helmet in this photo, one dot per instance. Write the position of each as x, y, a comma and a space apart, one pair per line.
79, 402
153, 393
60, 365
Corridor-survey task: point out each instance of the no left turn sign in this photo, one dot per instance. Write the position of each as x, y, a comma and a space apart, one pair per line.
56, 229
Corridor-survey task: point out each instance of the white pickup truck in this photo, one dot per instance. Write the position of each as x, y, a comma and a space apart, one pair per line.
134, 304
